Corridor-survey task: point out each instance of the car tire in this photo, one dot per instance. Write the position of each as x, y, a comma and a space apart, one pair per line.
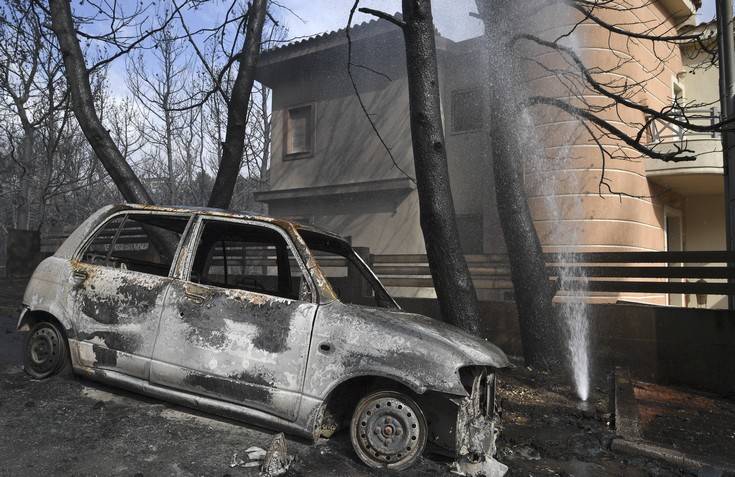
388, 430
46, 351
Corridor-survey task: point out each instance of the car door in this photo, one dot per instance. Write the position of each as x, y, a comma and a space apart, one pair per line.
120, 277
237, 324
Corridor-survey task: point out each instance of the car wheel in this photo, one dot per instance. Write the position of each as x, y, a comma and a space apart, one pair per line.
46, 351
388, 430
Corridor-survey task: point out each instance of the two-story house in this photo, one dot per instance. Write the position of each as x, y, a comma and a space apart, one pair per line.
330, 168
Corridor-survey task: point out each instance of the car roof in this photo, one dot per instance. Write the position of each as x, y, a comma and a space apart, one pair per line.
217, 212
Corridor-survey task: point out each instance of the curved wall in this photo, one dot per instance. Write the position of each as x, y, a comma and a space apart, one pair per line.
571, 208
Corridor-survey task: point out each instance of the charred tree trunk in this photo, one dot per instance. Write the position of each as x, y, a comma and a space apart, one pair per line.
27, 182
83, 106
237, 110
452, 281
170, 181
264, 179
533, 290
202, 174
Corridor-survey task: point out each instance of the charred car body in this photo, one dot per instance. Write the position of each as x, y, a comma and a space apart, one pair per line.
262, 320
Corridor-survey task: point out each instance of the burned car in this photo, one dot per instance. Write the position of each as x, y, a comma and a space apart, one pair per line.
262, 320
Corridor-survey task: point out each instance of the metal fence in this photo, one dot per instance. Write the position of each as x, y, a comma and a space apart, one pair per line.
665, 132
646, 272
702, 273
412, 271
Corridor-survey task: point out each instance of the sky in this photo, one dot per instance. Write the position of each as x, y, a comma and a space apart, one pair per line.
707, 12
451, 16
309, 17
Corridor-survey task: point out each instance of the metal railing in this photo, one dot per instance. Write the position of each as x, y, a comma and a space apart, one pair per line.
660, 131
488, 272
645, 272
610, 272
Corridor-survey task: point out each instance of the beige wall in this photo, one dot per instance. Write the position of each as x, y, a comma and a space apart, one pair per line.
347, 151
571, 209
700, 78
462, 67
701, 181
467, 152
704, 229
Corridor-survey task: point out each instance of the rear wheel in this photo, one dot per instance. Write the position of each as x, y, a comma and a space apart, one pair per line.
46, 351
388, 430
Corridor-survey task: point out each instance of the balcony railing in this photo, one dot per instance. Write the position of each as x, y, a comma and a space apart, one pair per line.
660, 131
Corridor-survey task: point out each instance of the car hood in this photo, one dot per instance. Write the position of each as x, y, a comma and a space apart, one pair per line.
416, 350
424, 329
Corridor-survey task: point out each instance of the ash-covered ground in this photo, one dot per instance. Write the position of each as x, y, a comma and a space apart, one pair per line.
70, 426
547, 432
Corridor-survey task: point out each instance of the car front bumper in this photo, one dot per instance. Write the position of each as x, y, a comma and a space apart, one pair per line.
477, 430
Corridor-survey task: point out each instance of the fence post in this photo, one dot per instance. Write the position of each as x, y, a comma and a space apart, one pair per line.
713, 119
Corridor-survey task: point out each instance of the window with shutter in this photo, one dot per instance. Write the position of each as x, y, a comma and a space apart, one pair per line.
299, 135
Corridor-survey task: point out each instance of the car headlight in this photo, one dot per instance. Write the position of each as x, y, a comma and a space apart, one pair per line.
480, 380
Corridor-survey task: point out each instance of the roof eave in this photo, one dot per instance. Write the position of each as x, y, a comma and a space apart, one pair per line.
323, 42
682, 11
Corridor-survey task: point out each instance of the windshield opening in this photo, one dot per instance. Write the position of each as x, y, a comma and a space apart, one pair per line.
350, 278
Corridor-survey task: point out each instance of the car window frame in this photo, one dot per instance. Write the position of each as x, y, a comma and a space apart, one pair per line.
375, 280
372, 278
93, 234
182, 270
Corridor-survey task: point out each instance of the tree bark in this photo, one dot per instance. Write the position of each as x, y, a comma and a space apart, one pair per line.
202, 199
531, 285
170, 186
264, 179
99, 138
237, 110
454, 288
27, 181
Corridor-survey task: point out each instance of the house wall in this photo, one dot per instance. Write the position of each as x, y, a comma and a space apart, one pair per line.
570, 207
703, 204
347, 151
701, 84
463, 67
704, 229
385, 224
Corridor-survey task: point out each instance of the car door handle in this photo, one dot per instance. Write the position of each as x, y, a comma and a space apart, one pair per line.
194, 297
79, 276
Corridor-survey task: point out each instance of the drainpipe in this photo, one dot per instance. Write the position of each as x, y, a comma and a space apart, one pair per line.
726, 52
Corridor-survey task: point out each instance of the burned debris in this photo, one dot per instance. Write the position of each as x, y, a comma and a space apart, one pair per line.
478, 428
